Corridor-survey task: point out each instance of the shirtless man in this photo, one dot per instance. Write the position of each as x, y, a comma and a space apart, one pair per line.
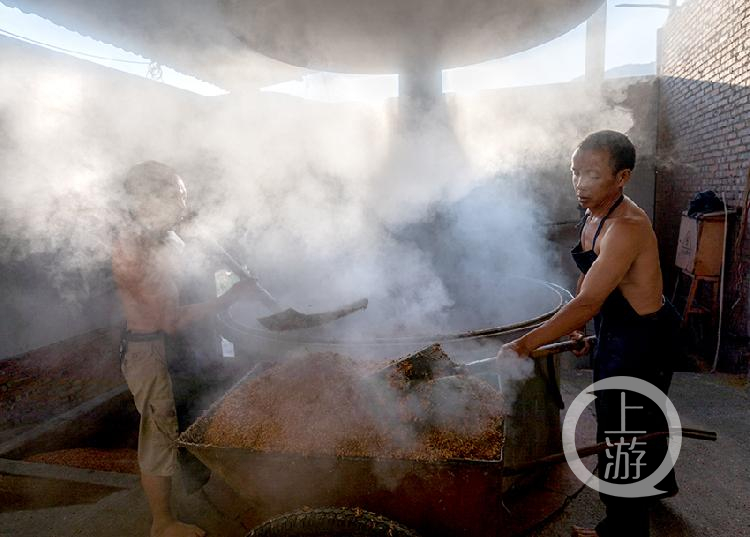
620, 286
144, 265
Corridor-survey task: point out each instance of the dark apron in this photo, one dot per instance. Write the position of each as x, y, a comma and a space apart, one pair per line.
641, 346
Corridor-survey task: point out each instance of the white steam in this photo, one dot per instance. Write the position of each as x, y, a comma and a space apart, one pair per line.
326, 203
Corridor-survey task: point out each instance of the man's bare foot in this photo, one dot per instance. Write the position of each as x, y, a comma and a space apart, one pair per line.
175, 528
583, 532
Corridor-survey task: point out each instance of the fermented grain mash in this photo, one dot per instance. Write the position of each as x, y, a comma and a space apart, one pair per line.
329, 404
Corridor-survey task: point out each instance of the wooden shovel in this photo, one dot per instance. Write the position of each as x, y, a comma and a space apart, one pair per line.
288, 319
431, 362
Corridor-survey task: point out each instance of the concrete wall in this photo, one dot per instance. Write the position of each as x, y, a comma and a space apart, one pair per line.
704, 126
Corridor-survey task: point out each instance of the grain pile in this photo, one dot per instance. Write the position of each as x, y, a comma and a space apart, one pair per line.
327, 404
121, 460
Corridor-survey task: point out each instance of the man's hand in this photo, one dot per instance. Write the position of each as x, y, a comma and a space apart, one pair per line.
513, 364
578, 335
516, 348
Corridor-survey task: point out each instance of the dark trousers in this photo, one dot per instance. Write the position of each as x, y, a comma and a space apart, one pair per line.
644, 348
629, 516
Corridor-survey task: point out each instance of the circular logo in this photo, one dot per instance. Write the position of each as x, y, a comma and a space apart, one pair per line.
638, 489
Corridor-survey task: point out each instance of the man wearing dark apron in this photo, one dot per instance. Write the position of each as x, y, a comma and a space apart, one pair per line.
620, 287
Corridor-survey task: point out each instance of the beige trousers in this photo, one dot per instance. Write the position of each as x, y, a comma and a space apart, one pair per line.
145, 369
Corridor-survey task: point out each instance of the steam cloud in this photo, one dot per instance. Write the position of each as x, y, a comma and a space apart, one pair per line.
326, 202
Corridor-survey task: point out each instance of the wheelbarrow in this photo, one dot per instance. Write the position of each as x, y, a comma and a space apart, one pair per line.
292, 495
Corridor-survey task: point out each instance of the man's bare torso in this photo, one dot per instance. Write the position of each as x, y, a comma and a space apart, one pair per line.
642, 284
144, 272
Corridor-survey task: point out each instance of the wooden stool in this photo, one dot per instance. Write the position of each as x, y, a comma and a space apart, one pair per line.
699, 258
692, 304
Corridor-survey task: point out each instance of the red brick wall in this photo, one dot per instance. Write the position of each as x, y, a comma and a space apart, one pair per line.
46, 382
704, 120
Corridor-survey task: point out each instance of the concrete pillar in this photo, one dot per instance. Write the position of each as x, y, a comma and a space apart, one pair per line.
420, 86
596, 38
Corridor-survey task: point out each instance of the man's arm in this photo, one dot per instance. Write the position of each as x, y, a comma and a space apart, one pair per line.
618, 250
144, 300
581, 329
579, 283
579, 333
257, 291
191, 313
187, 315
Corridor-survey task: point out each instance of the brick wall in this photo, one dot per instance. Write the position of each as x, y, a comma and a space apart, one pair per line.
46, 382
704, 124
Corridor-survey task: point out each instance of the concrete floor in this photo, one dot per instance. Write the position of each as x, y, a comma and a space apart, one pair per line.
714, 480
714, 477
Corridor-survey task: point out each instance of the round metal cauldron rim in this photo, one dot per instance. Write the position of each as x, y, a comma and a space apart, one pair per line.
237, 333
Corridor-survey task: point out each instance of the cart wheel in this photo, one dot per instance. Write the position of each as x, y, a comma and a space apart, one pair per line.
331, 523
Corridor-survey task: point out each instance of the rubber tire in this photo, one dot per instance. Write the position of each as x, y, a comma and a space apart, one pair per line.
331, 522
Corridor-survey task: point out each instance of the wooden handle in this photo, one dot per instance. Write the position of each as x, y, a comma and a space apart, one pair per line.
236, 267
564, 346
486, 364
231, 263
